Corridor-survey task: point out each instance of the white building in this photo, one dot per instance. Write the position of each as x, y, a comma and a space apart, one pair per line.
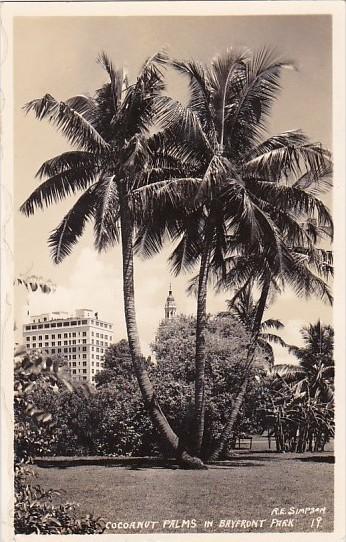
81, 339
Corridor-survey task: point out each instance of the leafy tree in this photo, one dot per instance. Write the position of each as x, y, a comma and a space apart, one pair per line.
174, 372
117, 364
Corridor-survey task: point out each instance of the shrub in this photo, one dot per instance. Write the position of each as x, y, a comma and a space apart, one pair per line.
34, 510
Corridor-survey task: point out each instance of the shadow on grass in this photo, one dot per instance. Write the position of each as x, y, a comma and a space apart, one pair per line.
318, 459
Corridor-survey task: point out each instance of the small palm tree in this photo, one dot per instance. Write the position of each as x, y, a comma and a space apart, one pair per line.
243, 306
115, 155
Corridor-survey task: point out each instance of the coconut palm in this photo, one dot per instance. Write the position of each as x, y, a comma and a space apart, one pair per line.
243, 306
236, 178
298, 272
318, 345
115, 155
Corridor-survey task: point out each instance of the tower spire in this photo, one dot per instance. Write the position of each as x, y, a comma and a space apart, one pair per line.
170, 306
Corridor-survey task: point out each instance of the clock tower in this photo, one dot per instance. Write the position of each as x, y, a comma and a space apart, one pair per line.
170, 306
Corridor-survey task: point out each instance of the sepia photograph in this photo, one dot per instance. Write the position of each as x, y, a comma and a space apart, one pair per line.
173, 362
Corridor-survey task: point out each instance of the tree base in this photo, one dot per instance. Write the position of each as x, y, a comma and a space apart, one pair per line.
186, 461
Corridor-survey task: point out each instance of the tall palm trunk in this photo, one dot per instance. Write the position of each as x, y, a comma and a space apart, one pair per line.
201, 326
256, 327
158, 419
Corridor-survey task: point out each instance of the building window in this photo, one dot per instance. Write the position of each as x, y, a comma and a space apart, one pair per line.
46, 344
59, 343
74, 323
84, 348
34, 345
53, 350
40, 337
74, 371
84, 356
74, 349
28, 338
65, 335
84, 363
74, 356
84, 322
40, 345
84, 371
59, 324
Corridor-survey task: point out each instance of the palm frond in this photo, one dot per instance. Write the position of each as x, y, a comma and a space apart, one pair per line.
116, 77
183, 121
292, 156
288, 372
306, 283
57, 188
72, 124
226, 70
200, 90
65, 161
274, 339
66, 235
256, 93
272, 323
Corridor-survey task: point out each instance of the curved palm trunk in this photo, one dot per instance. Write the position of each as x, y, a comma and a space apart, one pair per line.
249, 363
201, 326
158, 419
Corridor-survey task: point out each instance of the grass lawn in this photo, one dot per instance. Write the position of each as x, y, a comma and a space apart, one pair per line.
249, 487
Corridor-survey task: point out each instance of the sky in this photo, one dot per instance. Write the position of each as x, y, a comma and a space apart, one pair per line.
58, 55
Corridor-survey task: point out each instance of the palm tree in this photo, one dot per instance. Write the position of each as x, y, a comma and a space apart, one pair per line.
243, 306
316, 360
236, 178
297, 272
318, 345
114, 156
302, 397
